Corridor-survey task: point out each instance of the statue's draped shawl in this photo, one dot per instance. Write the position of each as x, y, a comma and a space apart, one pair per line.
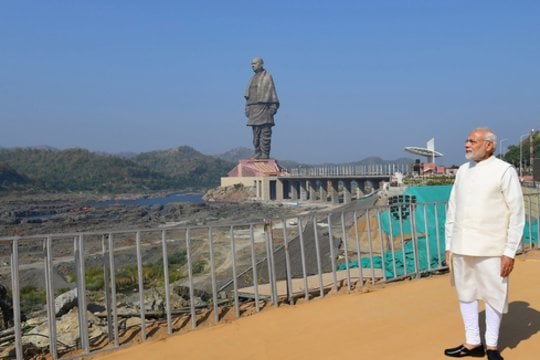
261, 100
266, 91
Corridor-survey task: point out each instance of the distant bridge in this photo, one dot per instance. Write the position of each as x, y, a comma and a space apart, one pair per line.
336, 184
333, 183
330, 183
351, 170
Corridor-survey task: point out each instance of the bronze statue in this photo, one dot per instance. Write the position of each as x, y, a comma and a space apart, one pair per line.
261, 106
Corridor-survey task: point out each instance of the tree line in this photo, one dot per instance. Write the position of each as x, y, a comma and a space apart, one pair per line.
514, 153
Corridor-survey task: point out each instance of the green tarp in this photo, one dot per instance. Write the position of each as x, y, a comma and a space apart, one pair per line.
428, 206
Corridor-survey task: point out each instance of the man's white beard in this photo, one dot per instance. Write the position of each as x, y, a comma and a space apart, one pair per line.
476, 155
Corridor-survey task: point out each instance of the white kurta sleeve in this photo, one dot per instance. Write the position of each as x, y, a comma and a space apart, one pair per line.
450, 219
511, 188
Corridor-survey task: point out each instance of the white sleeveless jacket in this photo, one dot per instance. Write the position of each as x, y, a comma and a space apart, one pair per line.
485, 215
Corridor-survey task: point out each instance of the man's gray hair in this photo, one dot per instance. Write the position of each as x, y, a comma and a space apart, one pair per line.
489, 135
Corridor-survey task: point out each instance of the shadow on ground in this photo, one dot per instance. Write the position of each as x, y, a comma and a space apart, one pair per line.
519, 324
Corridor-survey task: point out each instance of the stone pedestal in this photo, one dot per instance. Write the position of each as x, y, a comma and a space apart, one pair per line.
259, 174
267, 167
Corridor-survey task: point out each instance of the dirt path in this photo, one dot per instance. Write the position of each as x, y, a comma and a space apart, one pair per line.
407, 320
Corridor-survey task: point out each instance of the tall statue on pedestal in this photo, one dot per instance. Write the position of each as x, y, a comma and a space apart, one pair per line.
261, 106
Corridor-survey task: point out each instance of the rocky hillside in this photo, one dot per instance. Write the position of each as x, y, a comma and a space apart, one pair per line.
49, 170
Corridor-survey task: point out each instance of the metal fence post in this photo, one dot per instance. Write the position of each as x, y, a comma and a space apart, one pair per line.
142, 310
166, 281
235, 276
358, 249
437, 236
383, 262
392, 246
318, 255
254, 267
426, 238
81, 293
16, 293
270, 261
49, 287
346, 248
190, 277
287, 262
414, 239
112, 285
332, 255
303, 257
107, 288
213, 275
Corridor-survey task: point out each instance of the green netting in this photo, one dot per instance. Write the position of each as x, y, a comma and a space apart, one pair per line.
402, 267
428, 202
530, 232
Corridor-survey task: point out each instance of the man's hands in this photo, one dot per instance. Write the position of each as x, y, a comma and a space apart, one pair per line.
507, 264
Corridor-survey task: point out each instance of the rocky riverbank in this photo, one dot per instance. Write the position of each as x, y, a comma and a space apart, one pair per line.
57, 214
61, 213
65, 213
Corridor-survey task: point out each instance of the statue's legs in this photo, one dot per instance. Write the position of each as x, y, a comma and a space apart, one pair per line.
266, 139
262, 138
256, 141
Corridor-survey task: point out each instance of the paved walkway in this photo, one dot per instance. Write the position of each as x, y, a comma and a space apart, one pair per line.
406, 320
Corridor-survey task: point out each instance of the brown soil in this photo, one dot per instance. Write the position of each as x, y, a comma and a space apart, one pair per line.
406, 320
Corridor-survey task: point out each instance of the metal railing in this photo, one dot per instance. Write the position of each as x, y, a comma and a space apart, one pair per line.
202, 273
352, 170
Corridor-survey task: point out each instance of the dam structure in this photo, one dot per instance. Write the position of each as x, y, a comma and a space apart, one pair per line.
335, 184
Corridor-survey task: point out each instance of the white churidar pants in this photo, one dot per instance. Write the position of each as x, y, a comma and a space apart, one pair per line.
469, 313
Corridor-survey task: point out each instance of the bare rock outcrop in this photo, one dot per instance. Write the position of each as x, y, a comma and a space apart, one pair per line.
236, 193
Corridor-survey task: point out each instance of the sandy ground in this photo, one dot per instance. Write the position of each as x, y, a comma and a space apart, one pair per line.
408, 320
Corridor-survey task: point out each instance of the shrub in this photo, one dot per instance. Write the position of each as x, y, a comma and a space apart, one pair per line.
199, 267
32, 299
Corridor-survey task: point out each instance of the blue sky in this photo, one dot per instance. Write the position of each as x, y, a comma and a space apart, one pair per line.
355, 78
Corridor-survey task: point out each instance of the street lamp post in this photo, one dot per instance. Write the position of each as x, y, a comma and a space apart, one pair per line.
501, 147
531, 153
521, 154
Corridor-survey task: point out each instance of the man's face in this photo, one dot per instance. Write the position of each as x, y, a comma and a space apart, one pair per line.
256, 65
476, 147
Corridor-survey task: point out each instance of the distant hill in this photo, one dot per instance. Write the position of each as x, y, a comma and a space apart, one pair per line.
238, 153
185, 167
82, 170
182, 168
77, 170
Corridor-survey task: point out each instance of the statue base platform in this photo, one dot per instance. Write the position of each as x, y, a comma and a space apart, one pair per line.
257, 167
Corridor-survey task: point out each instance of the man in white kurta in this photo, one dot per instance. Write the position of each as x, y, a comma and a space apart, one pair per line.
484, 225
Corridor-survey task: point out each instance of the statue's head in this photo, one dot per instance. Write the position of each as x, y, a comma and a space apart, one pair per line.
257, 64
